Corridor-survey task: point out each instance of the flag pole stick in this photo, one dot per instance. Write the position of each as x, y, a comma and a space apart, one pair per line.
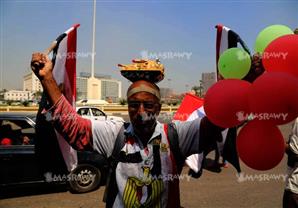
36, 65
50, 48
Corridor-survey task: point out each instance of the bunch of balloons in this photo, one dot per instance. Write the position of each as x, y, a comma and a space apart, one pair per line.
271, 100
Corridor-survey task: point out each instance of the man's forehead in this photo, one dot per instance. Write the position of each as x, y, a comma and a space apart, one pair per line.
143, 86
143, 96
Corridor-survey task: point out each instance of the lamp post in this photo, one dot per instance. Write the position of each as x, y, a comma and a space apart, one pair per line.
93, 38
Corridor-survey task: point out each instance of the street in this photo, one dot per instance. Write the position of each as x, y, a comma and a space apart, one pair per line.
255, 189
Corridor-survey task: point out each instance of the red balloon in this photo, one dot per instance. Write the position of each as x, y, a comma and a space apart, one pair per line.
226, 102
260, 145
274, 98
282, 55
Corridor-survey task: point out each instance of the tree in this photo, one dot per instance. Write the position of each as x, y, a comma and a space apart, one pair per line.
122, 101
198, 89
25, 103
37, 95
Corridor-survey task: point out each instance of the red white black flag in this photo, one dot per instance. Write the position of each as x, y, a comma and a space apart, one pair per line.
64, 60
225, 39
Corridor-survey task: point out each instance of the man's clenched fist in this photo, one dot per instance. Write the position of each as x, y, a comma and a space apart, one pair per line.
41, 65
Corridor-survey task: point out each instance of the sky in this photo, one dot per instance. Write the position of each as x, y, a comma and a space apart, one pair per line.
181, 33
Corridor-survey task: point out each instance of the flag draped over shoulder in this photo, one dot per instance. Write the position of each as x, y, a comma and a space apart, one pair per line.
191, 108
225, 39
64, 72
64, 59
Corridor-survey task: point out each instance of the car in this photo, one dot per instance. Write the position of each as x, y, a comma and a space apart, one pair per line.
27, 159
94, 113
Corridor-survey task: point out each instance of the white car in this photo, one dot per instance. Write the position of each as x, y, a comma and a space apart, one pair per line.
91, 112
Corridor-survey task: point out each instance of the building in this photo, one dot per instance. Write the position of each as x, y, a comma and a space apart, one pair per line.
111, 90
31, 83
166, 92
82, 87
208, 79
99, 87
18, 95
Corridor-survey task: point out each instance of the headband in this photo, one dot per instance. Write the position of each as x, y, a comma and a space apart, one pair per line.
143, 88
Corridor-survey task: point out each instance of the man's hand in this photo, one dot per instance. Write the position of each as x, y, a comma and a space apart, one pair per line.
41, 65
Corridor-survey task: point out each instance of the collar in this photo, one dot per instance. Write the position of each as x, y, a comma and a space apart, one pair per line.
157, 132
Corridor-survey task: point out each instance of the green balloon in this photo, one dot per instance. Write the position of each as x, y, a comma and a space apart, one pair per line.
267, 35
234, 63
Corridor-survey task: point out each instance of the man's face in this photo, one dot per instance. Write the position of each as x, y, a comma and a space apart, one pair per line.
143, 109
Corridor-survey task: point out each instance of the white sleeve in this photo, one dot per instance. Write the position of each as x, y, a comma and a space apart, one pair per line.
104, 135
293, 142
188, 134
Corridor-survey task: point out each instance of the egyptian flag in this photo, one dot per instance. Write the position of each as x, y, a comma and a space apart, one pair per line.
64, 72
225, 39
192, 107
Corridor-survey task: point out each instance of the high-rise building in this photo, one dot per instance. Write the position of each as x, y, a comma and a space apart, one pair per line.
31, 83
100, 87
208, 79
82, 87
166, 92
110, 89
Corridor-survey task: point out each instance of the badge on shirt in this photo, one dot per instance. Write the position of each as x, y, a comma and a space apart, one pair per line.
164, 147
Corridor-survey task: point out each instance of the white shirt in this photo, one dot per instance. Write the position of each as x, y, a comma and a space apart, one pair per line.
292, 178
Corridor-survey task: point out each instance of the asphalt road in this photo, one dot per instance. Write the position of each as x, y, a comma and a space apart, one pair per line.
224, 189
211, 190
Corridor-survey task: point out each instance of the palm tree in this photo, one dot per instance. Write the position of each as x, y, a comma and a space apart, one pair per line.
198, 89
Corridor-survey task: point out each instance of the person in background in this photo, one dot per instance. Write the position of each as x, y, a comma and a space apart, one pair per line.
290, 197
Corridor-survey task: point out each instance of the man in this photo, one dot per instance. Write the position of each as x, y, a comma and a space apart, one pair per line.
146, 173
290, 198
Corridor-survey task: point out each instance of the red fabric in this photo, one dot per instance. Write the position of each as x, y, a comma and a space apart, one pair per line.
189, 104
6, 141
70, 66
173, 187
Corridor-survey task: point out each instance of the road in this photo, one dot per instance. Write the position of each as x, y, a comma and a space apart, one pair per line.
211, 190
225, 189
